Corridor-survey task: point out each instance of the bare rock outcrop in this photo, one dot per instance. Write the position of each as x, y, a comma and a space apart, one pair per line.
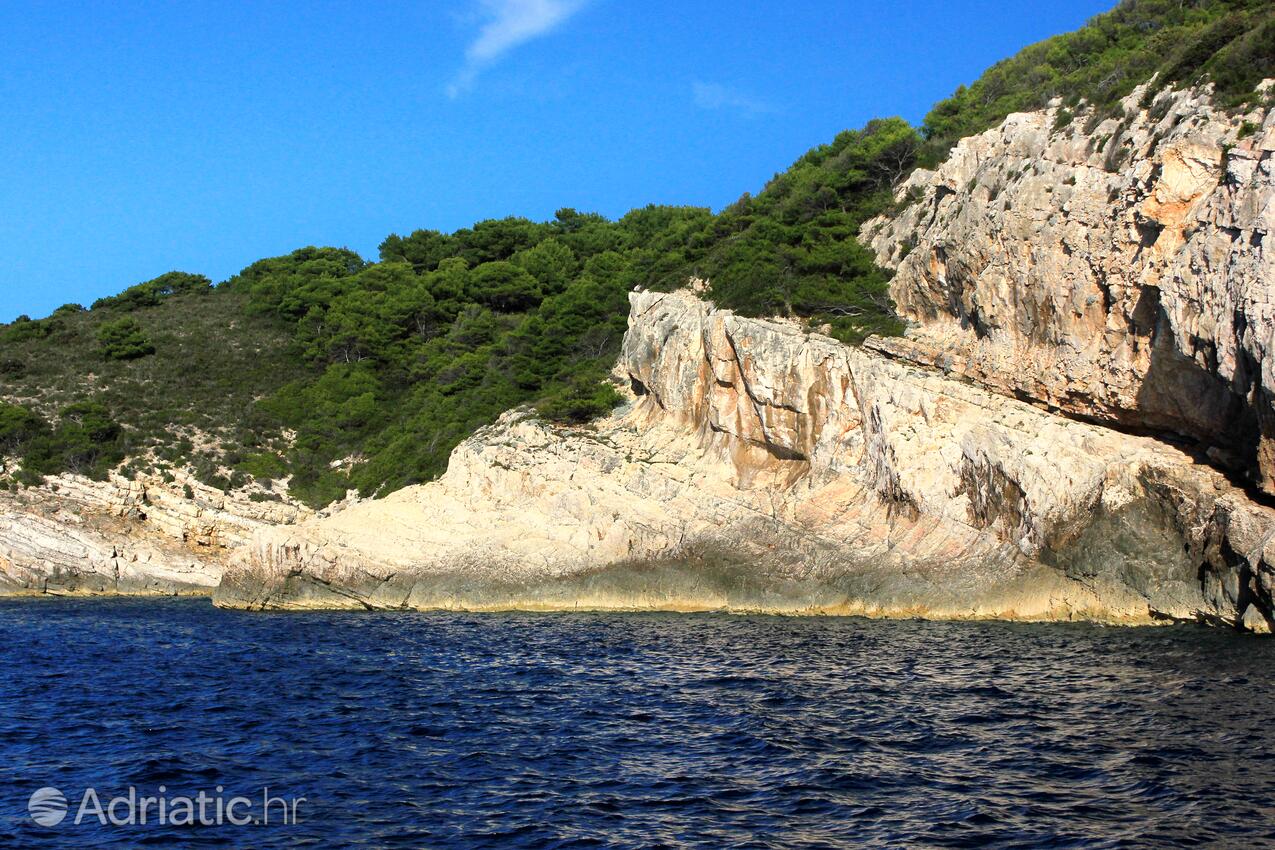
129, 536
1118, 270
759, 467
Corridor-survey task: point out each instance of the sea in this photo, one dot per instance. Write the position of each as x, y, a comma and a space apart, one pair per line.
130, 723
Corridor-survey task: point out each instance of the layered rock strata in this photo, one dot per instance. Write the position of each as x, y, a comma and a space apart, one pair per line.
146, 536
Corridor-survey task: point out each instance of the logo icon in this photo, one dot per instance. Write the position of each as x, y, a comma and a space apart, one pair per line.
47, 807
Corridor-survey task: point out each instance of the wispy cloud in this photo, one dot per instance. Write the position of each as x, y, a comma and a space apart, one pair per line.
717, 96
507, 24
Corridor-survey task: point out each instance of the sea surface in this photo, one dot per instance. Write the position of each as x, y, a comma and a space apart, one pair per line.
584, 730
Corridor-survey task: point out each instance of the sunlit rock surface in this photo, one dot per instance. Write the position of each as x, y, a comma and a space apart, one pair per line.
763, 468
76, 536
1119, 270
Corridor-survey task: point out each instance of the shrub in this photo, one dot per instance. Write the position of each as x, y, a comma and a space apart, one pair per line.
86, 441
1231, 42
123, 339
24, 329
504, 287
580, 401
264, 465
18, 427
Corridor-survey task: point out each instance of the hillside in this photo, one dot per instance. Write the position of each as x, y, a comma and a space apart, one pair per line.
1228, 43
325, 371
374, 371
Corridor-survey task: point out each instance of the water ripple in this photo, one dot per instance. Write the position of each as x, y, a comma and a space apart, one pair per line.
577, 730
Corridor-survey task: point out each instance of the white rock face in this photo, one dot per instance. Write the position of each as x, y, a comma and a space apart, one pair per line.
761, 468
77, 536
1123, 274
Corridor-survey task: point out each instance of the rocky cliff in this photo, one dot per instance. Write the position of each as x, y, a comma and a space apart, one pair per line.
143, 536
1119, 270
759, 467
1078, 424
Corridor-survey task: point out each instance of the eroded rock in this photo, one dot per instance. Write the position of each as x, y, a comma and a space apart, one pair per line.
762, 468
77, 536
1120, 272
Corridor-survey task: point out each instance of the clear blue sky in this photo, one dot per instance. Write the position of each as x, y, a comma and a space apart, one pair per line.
136, 138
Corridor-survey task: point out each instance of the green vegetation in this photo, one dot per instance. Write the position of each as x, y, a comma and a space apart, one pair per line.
409, 355
150, 293
1230, 43
123, 339
193, 401
375, 371
333, 372
18, 427
792, 249
86, 440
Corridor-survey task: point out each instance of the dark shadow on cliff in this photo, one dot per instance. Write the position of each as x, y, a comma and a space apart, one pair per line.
1193, 406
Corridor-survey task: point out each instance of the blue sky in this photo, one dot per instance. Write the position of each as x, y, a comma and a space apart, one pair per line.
136, 138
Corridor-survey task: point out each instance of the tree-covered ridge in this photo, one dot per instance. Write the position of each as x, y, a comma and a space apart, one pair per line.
791, 250
449, 330
1230, 43
376, 370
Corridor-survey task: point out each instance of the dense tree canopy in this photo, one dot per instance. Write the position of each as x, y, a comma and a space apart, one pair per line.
150, 293
446, 331
395, 361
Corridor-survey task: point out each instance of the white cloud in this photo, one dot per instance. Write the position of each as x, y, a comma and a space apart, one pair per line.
717, 96
507, 24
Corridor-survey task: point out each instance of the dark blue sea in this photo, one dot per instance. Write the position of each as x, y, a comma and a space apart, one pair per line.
580, 730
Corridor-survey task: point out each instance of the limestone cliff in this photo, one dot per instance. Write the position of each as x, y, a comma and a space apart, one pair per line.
1065, 432
76, 536
1120, 270
759, 467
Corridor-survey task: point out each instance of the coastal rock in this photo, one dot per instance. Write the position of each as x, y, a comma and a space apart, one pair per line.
1254, 621
1118, 270
134, 536
759, 467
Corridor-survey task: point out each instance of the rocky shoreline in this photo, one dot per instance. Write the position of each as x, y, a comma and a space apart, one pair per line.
146, 536
761, 468
1076, 426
